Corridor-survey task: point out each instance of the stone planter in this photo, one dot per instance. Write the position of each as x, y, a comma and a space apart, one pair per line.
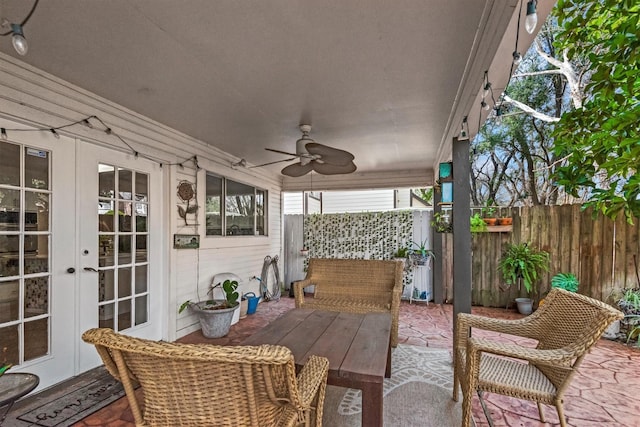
214, 323
525, 305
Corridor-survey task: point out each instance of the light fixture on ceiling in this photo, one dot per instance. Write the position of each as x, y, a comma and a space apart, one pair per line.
18, 41
464, 133
498, 115
16, 32
487, 89
242, 163
531, 20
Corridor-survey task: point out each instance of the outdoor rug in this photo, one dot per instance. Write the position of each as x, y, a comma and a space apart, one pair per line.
94, 391
417, 394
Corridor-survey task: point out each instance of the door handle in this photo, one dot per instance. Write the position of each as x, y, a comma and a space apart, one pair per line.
90, 269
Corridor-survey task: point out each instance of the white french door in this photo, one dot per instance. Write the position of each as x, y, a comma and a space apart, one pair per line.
37, 253
80, 247
119, 246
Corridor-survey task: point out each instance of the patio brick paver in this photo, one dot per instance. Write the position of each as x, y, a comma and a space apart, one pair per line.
605, 392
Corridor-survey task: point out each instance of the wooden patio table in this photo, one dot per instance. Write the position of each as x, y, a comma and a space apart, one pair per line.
357, 345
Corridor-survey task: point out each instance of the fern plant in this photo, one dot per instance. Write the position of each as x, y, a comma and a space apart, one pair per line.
521, 261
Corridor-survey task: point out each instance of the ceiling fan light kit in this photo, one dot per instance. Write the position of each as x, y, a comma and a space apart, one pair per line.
316, 157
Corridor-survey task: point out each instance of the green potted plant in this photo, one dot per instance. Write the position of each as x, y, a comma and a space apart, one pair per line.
477, 223
488, 213
522, 264
420, 253
629, 304
215, 315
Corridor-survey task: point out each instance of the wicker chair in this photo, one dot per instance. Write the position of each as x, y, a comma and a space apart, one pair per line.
565, 326
354, 286
199, 384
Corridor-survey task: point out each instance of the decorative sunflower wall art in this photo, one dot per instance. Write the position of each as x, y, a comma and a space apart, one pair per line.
187, 193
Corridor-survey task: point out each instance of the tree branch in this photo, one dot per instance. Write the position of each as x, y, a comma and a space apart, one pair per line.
530, 111
537, 73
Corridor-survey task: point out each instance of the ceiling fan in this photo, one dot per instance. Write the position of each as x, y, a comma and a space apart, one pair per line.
321, 158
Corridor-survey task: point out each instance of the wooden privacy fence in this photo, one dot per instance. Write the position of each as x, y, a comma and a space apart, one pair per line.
602, 253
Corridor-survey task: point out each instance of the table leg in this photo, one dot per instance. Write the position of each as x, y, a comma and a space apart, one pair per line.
372, 404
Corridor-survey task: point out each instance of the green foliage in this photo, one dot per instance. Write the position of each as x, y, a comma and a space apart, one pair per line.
442, 223
401, 253
489, 211
421, 248
601, 139
567, 281
477, 223
630, 306
425, 194
231, 296
523, 262
630, 301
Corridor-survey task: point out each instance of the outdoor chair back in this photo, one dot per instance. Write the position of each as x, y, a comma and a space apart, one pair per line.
566, 326
200, 384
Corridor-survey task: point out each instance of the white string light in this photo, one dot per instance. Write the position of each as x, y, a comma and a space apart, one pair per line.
4, 135
16, 31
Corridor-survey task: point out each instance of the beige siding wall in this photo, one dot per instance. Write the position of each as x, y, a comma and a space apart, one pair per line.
33, 98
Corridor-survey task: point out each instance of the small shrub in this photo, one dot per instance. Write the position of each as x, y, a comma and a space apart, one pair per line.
567, 281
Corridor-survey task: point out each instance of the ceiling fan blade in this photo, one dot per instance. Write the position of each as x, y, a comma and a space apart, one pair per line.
282, 152
271, 163
297, 169
332, 169
330, 155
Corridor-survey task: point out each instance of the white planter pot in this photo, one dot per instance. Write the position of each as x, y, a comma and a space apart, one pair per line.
214, 323
525, 305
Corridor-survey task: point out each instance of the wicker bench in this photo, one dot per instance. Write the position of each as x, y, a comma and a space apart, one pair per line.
355, 286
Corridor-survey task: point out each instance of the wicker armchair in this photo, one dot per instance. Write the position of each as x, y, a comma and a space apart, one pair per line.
565, 326
354, 286
197, 385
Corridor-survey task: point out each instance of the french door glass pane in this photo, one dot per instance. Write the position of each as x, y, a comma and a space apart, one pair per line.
9, 305
36, 296
118, 241
9, 164
36, 333
25, 238
9, 209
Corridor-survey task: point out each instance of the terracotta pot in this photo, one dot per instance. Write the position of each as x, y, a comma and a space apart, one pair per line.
505, 221
490, 221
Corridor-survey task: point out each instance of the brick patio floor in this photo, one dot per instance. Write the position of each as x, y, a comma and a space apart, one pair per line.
606, 391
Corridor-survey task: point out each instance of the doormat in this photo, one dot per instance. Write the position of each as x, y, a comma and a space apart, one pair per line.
65, 410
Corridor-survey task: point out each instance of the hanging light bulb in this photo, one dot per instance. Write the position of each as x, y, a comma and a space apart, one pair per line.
3, 133
498, 112
487, 89
18, 40
517, 58
56, 134
531, 19
484, 105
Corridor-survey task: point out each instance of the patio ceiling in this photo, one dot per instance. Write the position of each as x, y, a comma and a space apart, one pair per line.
389, 81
